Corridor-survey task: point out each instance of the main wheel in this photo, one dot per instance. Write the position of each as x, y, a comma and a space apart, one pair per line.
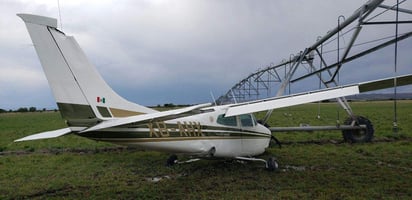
272, 165
359, 135
171, 160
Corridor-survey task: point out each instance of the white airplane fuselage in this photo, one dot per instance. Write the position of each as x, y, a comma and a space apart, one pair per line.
203, 134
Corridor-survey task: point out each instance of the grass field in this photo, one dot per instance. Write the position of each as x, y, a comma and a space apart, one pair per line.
314, 165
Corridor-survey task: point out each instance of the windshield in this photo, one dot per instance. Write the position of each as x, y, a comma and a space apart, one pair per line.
227, 121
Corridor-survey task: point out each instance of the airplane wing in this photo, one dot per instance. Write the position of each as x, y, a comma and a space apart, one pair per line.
314, 96
46, 135
166, 115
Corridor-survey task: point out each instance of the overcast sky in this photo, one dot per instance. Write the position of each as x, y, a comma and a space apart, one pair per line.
157, 51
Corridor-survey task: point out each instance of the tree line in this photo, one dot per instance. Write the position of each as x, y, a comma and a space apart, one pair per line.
25, 109
34, 109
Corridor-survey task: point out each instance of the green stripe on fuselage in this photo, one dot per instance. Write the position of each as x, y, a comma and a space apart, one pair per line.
146, 134
125, 141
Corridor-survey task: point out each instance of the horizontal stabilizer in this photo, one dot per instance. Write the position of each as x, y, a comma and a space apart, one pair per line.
166, 115
46, 135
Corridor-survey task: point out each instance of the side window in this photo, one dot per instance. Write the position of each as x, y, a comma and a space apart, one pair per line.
228, 121
246, 120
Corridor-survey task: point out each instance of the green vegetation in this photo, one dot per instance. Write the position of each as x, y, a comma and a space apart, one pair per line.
313, 165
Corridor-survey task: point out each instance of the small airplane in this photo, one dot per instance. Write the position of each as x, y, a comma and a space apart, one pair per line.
93, 110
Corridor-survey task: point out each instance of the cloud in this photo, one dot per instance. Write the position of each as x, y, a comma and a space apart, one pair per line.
179, 51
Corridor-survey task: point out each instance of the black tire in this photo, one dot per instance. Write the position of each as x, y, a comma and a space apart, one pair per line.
361, 135
272, 165
171, 160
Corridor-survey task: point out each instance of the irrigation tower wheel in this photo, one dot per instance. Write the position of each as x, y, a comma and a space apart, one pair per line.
358, 135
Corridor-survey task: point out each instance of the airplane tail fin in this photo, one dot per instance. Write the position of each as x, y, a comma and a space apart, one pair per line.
83, 97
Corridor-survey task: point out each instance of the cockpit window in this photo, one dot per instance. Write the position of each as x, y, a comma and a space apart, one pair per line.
228, 121
246, 120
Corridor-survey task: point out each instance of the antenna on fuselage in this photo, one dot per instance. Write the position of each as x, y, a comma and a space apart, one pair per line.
60, 16
213, 98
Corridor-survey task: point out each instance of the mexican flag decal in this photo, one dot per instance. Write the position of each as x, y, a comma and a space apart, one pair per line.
101, 100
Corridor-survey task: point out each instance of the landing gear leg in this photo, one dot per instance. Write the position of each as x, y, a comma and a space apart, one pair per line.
271, 164
172, 160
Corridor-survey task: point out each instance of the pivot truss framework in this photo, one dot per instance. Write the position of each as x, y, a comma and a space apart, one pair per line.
326, 53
